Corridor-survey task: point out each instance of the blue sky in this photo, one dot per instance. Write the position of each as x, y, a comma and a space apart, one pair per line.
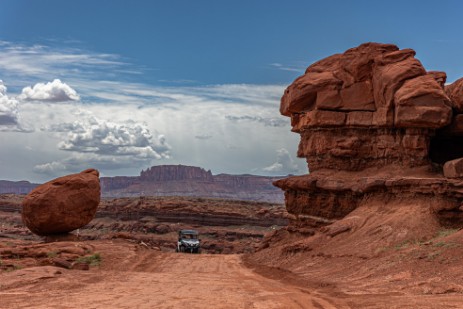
190, 82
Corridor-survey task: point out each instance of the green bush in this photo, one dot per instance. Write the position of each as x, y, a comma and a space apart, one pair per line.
92, 260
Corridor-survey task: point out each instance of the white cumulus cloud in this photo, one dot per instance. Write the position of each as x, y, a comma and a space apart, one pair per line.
9, 112
8, 108
104, 137
55, 91
283, 165
100, 143
51, 168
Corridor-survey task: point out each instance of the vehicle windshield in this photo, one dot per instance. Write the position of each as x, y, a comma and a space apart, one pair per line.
189, 236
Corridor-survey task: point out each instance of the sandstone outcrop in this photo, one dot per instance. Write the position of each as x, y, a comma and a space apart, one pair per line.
374, 122
385, 190
63, 204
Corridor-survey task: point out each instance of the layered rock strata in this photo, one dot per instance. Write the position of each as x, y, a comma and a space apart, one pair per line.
373, 121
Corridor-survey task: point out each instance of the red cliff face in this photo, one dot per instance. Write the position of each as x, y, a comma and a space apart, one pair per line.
373, 121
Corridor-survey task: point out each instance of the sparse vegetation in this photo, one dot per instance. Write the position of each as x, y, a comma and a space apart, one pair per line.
52, 254
402, 245
446, 232
446, 244
92, 260
420, 243
433, 255
440, 244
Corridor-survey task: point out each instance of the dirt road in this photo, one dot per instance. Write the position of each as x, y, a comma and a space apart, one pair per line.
143, 278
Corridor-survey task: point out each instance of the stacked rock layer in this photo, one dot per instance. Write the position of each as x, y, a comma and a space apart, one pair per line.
373, 121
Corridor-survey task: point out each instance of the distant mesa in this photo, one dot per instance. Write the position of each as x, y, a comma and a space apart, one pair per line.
63, 204
182, 180
175, 172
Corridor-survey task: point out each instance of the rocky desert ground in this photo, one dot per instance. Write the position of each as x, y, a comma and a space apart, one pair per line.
133, 276
357, 262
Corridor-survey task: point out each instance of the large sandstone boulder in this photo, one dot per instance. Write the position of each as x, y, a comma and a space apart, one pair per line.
421, 102
388, 76
63, 204
379, 84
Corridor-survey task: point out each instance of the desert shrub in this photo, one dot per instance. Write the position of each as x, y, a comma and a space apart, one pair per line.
92, 260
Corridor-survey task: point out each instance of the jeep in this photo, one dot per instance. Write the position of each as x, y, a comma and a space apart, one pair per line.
188, 241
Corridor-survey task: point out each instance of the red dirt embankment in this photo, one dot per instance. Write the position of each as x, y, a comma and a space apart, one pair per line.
382, 255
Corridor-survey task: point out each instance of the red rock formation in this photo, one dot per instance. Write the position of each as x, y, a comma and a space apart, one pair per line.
373, 121
63, 204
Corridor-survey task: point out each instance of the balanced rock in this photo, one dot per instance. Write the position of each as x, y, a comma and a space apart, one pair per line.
371, 106
63, 204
